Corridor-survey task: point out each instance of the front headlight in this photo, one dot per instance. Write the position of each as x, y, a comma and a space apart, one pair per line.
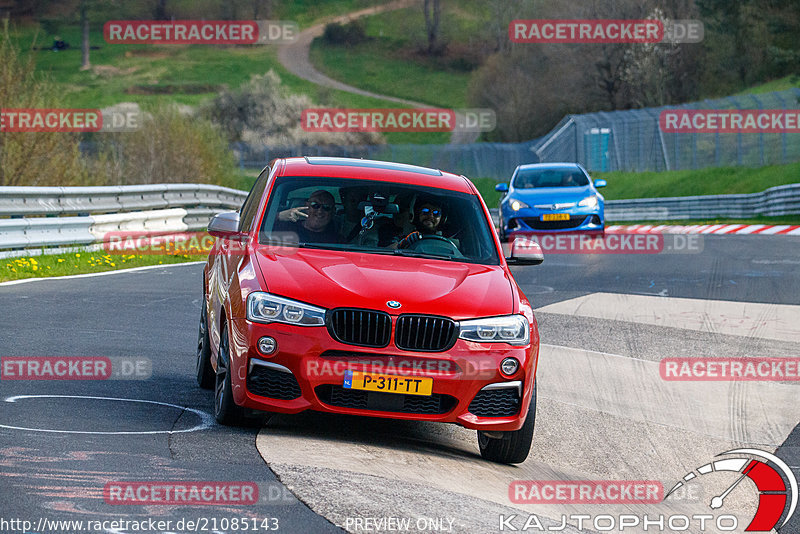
516, 205
266, 308
588, 202
511, 329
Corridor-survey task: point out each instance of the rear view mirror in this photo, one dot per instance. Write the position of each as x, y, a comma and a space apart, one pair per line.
525, 251
502, 188
600, 183
225, 225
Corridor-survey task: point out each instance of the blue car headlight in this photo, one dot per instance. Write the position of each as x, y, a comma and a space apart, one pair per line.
589, 202
517, 205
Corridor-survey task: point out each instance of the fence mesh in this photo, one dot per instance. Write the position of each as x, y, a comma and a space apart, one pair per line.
632, 140
629, 140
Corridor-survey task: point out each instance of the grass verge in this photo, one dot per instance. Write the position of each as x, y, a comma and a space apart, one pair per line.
710, 181
48, 265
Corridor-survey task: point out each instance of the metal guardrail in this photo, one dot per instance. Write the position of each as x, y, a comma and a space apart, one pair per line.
27, 201
773, 202
59, 216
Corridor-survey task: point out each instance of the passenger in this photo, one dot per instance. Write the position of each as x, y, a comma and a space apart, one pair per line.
313, 223
400, 224
349, 222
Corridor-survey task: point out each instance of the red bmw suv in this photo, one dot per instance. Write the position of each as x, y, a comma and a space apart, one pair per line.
373, 288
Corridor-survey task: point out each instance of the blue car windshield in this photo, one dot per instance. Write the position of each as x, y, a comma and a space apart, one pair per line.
531, 178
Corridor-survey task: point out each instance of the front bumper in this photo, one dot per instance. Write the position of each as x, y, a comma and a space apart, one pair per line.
527, 221
308, 370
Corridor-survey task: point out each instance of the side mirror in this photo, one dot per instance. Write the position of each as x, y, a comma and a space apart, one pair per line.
525, 251
600, 183
225, 225
502, 188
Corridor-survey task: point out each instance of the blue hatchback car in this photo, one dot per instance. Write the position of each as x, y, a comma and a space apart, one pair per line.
551, 197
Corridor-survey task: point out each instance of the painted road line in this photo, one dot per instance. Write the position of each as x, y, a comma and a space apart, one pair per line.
774, 229
712, 228
104, 273
768, 321
751, 228
716, 229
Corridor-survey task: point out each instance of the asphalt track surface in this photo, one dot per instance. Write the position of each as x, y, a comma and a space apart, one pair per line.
605, 322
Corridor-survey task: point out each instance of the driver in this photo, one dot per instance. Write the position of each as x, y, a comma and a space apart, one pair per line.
428, 216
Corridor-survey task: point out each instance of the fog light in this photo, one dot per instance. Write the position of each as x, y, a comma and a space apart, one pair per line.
267, 345
509, 366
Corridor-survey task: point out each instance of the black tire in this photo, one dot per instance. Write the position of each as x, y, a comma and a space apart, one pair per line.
226, 411
514, 446
205, 374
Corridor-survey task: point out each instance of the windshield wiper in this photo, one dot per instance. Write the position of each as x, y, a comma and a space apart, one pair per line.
416, 254
343, 246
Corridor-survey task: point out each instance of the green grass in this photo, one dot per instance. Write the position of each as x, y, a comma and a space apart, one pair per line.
485, 187
710, 181
782, 84
47, 265
307, 12
186, 74
390, 64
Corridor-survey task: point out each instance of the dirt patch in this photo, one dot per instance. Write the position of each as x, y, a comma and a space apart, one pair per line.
168, 89
108, 71
154, 54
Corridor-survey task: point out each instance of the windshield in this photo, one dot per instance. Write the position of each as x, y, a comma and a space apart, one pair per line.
379, 218
530, 178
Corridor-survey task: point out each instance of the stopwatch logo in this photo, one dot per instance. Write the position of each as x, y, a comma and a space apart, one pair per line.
773, 494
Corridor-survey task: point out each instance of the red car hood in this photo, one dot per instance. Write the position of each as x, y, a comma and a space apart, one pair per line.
333, 279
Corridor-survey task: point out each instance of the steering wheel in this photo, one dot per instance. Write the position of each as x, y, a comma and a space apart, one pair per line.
433, 237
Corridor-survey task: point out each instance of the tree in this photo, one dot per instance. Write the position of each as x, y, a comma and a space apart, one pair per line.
85, 64
433, 11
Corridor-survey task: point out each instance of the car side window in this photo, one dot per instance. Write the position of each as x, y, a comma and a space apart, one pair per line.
250, 206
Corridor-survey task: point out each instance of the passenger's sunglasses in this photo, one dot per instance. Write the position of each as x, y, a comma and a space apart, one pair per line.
426, 211
317, 205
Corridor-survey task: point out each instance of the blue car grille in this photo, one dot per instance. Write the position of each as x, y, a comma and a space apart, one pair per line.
537, 224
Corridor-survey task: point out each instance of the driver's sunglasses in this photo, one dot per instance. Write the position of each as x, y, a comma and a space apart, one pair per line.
426, 211
317, 205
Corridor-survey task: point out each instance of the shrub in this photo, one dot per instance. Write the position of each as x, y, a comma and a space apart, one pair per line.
170, 146
28, 158
263, 112
349, 34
